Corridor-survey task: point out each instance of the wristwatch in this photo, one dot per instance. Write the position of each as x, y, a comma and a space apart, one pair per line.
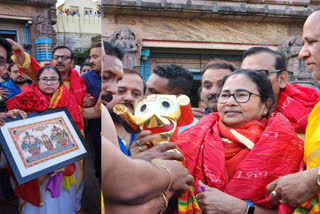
250, 207
318, 177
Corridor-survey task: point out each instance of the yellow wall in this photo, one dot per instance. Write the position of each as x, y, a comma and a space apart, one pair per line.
76, 24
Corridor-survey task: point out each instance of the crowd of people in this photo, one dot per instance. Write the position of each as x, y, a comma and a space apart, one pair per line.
28, 87
77, 13
252, 144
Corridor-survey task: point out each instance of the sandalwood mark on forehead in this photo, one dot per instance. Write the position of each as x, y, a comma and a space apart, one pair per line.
234, 76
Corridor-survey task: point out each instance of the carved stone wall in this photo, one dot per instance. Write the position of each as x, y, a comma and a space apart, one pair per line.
203, 30
300, 73
17, 13
32, 2
281, 10
201, 25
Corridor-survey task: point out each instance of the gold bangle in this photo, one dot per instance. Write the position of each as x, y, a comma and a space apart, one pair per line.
164, 194
170, 174
166, 202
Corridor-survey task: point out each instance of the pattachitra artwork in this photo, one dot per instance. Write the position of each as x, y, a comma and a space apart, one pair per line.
42, 141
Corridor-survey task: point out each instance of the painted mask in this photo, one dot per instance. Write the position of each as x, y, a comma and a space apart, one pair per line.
161, 114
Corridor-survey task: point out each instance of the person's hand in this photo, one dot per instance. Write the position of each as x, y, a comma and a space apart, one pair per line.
2, 115
19, 53
295, 188
142, 142
3, 93
160, 151
198, 113
88, 101
12, 114
62, 170
15, 46
215, 201
181, 177
17, 112
97, 106
93, 112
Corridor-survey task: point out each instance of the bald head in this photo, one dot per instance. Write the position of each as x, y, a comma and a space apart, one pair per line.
315, 14
313, 20
310, 51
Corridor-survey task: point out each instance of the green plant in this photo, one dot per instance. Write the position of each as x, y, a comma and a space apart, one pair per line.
81, 56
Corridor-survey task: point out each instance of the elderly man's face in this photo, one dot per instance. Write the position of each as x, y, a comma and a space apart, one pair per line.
310, 51
112, 72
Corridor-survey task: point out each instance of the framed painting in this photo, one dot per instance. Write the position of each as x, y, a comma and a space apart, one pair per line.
41, 143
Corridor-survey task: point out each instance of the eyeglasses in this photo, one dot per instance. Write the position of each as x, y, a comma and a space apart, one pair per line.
267, 72
46, 80
240, 96
63, 57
